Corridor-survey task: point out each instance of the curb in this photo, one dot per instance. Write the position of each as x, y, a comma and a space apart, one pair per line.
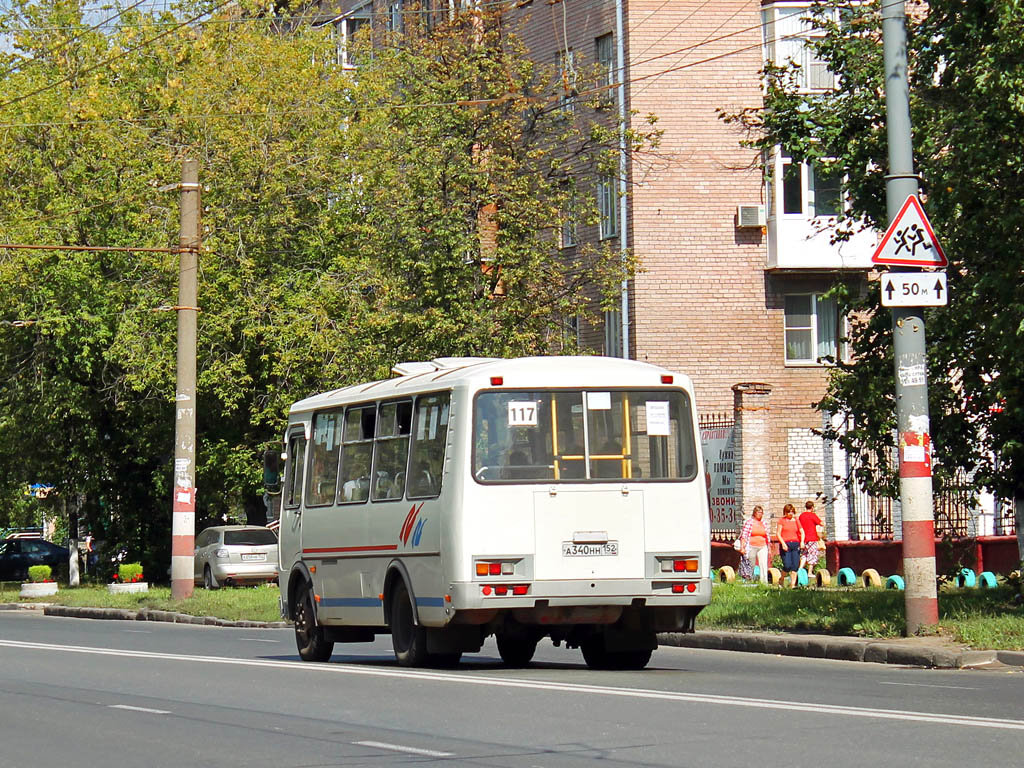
146, 614
843, 649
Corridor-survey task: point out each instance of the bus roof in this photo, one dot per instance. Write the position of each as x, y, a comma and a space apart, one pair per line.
523, 372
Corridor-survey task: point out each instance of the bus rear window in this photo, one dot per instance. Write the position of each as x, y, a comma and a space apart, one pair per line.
583, 435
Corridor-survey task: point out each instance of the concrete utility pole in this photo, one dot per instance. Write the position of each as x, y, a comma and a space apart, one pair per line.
183, 524
922, 608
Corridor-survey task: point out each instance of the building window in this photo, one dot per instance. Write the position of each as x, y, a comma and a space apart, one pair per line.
567, 80
806, 189
812, 329
607, 207
394, 17
604, 55
788, 33
569, 237
613, 333
345, 31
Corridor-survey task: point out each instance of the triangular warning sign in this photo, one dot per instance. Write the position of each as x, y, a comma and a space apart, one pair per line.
910, 241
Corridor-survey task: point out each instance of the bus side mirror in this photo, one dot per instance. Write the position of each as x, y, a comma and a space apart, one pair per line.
272, 471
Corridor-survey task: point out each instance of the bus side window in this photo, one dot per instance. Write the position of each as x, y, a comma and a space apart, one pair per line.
430, 435
293, 470
391, 451
357, 447
324, 450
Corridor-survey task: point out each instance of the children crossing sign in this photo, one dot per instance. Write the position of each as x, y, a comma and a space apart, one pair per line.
910, 241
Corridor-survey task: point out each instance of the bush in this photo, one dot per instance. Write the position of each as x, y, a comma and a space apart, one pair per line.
128, 573
39, 573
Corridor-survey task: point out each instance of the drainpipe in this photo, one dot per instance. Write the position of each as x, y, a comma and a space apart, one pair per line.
620, 53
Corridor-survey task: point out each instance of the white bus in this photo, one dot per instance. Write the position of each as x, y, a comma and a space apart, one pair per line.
557, 497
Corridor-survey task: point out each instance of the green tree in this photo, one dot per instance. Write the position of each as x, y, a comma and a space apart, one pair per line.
350, 222
967, 75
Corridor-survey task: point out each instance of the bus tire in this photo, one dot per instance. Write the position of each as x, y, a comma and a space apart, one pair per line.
870, 578
408, 640
598, 657
515, 650
309, 636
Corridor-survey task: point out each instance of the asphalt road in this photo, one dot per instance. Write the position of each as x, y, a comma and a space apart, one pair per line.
112, 693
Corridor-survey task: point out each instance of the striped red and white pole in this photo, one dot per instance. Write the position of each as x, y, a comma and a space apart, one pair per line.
921, 599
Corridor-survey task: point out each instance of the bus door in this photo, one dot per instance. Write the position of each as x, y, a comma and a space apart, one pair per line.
289, 545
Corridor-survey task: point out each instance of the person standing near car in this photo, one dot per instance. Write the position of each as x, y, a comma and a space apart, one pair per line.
791, 540
814, 537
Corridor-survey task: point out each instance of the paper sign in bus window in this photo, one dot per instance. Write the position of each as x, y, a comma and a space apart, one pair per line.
657, 418
599, 401
522, 414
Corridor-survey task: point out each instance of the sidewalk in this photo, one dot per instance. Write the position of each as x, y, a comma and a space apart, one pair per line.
933, 652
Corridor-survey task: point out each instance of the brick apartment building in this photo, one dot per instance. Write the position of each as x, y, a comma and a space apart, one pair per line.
734, 249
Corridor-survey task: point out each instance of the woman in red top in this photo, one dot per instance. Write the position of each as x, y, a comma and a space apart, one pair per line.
754, 542
811, 524
791, 540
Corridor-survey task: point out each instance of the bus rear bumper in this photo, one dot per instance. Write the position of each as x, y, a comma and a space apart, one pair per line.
637, 593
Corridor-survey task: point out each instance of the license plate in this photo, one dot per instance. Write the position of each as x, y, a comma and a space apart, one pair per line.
258, 557
607, 549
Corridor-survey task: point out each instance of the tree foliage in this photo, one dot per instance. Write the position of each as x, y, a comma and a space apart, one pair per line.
966, 69
352, 219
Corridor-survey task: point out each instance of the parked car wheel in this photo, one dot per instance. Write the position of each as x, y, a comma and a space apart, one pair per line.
208, 581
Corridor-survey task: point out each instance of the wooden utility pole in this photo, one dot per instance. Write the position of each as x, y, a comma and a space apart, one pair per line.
183, 524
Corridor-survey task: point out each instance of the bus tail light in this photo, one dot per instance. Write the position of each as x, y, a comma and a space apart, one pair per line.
666, 379
504, 590
520, 589
685, 566
495, 567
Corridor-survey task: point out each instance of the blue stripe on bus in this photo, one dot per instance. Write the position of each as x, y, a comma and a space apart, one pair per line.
430, 602
351, 602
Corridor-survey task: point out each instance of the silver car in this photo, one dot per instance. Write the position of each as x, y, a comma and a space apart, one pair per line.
235, 554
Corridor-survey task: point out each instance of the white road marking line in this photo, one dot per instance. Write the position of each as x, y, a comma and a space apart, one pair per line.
401, 748
258, 640
966, 721
139, 631
927, 685
141, 709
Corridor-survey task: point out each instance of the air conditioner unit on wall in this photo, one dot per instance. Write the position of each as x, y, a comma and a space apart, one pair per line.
750, 216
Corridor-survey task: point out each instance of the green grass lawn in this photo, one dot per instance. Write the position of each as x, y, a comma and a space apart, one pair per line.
981, 618
233, 603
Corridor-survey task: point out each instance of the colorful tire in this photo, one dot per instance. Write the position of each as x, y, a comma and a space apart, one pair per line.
966, 578
895, 582
756, 574
870, 578
822, 578
846, 577
727, 574
774, 576
801, 577
987, 580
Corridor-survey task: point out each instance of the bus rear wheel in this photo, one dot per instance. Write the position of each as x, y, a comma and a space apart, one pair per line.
597, 657
516, 650
408, 640
309, 637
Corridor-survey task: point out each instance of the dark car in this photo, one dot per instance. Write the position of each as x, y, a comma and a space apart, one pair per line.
16, 555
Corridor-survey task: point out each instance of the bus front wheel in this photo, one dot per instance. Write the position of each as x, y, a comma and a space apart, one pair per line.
309, 636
